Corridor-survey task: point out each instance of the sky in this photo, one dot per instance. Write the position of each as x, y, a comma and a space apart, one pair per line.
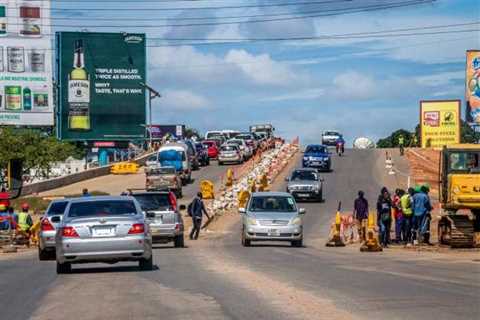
314, 65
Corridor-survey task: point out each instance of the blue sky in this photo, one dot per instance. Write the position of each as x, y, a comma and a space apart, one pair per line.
362, 86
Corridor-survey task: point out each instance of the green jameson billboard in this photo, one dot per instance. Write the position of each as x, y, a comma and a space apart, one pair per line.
99, 76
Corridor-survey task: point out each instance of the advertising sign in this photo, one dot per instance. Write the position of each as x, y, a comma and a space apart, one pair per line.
439, 123
159, 131
26, 94
100, 76
472, 86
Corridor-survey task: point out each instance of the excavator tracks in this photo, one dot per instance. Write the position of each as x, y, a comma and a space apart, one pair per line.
456, 231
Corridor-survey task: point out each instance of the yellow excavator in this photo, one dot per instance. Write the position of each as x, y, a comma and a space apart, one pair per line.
459, 189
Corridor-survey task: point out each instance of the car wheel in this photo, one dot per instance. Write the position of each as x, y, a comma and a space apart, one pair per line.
179, 241
320, 196
63, 268
146, 264
220, 163
179, 193
245, 241
44, 255
297, 243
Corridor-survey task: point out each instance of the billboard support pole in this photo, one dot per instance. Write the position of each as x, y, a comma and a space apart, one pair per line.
152, 94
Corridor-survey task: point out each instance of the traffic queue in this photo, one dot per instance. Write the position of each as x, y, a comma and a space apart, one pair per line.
111, 229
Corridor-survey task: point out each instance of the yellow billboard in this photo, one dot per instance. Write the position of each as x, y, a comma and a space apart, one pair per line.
472, 86
439, 123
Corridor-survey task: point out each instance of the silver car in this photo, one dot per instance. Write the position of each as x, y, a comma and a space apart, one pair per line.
305, 184
103, 229
48, 228
163, 216
272, 216
230, 154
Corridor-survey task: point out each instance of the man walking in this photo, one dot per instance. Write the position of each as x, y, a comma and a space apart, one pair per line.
360, 214
196, 210
421, 206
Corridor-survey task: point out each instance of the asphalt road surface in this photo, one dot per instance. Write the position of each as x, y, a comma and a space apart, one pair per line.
216, 278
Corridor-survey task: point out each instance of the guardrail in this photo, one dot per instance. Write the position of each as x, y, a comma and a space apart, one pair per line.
74, 177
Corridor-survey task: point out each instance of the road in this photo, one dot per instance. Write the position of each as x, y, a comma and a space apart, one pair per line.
216, 278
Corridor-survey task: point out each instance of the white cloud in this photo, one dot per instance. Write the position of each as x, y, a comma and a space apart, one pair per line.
440, 79
261, 69
308, 94
354, 85
183, 100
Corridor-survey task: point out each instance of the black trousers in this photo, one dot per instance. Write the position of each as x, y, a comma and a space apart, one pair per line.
197, 224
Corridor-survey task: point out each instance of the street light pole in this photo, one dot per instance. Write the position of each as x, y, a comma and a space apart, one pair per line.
152, 94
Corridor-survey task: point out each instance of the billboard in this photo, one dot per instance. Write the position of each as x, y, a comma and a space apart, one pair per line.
439, 123
159, 131
472, 87
100, 77
26, 90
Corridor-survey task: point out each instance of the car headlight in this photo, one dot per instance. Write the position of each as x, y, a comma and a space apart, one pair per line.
316, 188
296, 221
326, 159
305, 158
251, 221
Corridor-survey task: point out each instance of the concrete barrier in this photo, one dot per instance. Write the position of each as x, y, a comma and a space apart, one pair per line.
73, 178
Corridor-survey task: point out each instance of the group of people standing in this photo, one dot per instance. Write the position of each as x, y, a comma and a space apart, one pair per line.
410, 211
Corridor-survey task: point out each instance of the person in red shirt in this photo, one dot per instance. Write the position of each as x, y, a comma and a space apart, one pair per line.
399, 218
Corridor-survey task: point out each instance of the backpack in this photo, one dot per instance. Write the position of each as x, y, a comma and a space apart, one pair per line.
190, 208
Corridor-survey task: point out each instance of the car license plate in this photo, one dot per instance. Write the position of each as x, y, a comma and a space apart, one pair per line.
103, 232
316, 163
273, 232
303, 195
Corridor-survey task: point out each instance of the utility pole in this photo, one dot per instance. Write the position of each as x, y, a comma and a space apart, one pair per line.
152, 94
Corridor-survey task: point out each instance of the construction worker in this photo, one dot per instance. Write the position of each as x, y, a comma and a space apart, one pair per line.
24, 220
406, 201
401, 144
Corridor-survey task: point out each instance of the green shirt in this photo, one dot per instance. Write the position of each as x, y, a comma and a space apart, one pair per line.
406, 204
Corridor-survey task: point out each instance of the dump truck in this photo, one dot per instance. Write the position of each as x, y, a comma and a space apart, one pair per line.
459, 190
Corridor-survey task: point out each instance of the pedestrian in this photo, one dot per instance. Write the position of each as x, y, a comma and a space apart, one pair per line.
398, 215
12, 218
425, 229
384, 216
360, 214
421, 206
196, 209
85, 193
406, 202
401, 144
24, 220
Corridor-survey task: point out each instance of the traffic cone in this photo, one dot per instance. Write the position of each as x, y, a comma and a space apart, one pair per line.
336, 240
371, 244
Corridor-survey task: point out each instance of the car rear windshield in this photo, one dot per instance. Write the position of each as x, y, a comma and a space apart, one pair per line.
57, 208
162, 170
304, 175
244, 136
209, 143
316, 149
229, 148
272, 204
102, 208
331, 133
150, 202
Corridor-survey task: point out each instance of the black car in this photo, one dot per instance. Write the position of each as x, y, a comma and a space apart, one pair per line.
202, 154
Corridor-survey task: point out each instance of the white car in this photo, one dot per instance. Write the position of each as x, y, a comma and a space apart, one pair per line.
230, 154
242, 145
330, 138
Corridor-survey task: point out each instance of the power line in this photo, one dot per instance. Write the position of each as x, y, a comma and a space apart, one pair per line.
223, 17
345, 11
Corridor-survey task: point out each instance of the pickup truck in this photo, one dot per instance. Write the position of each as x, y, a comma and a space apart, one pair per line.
163, 178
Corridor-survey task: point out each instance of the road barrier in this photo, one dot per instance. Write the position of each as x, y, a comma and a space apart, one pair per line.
124, 168
335, 238
372, 243
207, 189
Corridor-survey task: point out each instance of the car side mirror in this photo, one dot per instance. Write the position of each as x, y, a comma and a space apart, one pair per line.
56, 219
182, 207
242, 210
302, 211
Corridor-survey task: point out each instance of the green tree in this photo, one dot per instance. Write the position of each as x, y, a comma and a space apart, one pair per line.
190, 132
38, 151
392, 140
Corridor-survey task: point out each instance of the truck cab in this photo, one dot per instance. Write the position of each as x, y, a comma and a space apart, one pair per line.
175, 155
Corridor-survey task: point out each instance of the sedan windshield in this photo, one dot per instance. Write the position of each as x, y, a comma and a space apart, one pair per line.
316, 149
272, 203
102, 208
304, 175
